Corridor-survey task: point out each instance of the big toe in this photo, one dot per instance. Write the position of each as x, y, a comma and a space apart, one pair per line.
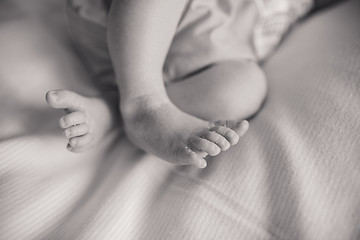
65, 99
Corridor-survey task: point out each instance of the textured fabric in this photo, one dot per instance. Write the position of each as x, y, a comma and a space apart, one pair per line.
275, 19
296, 174
212, 31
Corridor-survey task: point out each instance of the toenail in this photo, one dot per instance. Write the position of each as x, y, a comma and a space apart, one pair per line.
54, 95
62, 122
216, 149
203, 164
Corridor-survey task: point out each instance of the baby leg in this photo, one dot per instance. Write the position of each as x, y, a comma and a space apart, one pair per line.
227, 90
151, 120
88, 119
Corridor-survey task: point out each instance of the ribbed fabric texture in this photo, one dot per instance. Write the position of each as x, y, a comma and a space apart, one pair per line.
295, 175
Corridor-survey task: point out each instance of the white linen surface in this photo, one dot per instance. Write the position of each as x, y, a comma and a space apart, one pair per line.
295, 175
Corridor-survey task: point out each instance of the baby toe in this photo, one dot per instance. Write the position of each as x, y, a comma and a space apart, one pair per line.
240, 127
195, 159
227, 133
72, 119
216, 138
77, 144
52, 99
65, 99
77, 130
201, 144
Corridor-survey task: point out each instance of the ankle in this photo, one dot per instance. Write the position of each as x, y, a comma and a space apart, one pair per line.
132, 106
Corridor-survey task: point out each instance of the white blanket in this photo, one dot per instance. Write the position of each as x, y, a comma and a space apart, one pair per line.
295, 175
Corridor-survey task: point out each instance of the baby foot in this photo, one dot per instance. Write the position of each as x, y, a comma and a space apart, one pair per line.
87, 119
162, 129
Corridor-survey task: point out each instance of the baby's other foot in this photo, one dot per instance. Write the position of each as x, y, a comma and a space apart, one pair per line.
160, 128
87, 119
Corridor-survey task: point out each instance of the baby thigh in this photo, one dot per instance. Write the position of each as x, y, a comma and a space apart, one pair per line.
228, 90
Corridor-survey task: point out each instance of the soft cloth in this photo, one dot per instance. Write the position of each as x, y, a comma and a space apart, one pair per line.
295, 175
213, 31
